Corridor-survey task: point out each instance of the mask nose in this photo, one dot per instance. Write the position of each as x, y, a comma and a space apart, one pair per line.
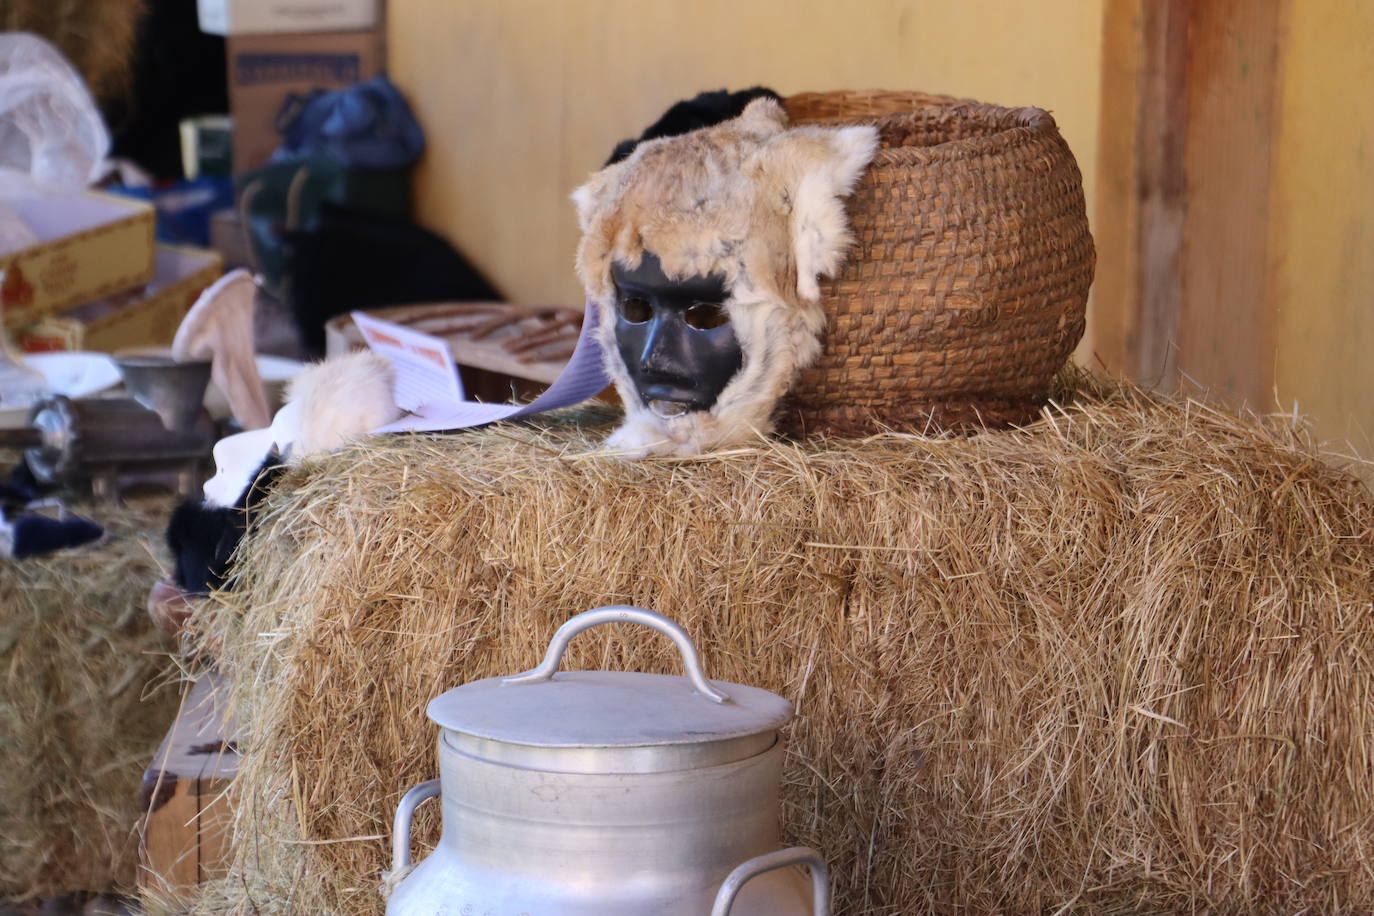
663, 351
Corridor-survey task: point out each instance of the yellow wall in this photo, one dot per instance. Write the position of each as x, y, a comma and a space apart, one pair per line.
521, 99
1322, 228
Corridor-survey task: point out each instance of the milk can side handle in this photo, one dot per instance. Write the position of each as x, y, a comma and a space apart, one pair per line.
797, 855
400, 828
620, 613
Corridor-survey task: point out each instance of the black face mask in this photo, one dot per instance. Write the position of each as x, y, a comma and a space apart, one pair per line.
674, 336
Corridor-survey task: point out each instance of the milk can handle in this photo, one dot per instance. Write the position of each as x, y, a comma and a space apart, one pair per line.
797, 855
400, 829
621, 613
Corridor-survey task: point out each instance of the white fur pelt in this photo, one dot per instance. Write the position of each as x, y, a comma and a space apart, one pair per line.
340, 400
751, 199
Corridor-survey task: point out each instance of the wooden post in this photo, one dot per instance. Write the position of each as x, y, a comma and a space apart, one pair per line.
1189, 100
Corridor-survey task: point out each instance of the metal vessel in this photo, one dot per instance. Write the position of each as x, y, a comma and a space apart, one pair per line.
601, 793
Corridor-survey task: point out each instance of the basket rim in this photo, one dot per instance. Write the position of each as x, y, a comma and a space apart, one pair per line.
1022, 124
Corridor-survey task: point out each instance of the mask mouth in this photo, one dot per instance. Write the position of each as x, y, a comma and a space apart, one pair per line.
667, 410
668, 400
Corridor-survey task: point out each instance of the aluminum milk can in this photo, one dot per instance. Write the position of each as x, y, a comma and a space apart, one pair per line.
606, 793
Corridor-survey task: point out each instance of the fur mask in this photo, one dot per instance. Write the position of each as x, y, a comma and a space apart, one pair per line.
753, 200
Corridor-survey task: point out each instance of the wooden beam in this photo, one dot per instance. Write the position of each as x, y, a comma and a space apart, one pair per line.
1116, 218
1161, 184
1227, 315
1189, 98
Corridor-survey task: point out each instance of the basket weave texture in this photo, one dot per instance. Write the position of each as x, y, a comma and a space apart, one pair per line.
967, 287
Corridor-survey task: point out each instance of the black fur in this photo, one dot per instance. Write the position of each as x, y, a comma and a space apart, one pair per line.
18, 489
706, 109
203, 538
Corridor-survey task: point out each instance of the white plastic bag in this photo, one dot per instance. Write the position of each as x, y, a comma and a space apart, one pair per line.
15, 234
50, 128
51, 138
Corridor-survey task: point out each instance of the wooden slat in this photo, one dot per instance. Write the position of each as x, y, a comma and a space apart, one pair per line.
169, 855
1189, 100
185, 841
1225, 331
185, 832
1162, 188
1116, 218
214, 823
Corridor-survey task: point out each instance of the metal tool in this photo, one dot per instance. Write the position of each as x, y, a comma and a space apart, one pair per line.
162, 428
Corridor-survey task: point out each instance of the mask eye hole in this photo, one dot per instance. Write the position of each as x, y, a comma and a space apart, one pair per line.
706, 315
635, 310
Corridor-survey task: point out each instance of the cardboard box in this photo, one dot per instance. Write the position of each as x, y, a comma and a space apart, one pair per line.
256, 17
145, 318
265, 69
90, 245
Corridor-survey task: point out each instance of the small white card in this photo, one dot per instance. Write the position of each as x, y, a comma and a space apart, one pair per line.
425, 373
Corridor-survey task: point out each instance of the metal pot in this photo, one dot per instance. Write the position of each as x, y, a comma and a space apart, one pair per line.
601, 793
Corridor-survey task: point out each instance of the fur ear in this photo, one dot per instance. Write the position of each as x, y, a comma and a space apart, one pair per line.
764, 116
820, 229
591, 196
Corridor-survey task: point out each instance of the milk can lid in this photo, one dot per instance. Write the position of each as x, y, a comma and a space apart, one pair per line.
548, 708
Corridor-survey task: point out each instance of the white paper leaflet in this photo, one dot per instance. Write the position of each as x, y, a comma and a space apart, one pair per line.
422, 364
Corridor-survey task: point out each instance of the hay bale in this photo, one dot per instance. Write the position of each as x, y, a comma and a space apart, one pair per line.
83, 705
1119, 661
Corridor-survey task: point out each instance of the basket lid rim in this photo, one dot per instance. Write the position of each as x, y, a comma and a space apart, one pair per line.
1014, 126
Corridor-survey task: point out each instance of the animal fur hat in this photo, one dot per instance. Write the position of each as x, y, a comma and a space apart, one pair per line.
751, 199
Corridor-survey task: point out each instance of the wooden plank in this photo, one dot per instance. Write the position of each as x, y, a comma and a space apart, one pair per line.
1116, 217
1161, 186
185, 840
169, 852
214, 827
1225, 320
184, 837
1188, 120
1141, 196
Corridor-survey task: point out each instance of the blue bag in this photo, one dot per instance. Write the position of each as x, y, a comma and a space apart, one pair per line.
367, 125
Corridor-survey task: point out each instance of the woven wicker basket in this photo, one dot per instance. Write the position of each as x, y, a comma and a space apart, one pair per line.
967, 288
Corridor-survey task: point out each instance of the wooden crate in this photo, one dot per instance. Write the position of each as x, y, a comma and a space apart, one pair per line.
184, 835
